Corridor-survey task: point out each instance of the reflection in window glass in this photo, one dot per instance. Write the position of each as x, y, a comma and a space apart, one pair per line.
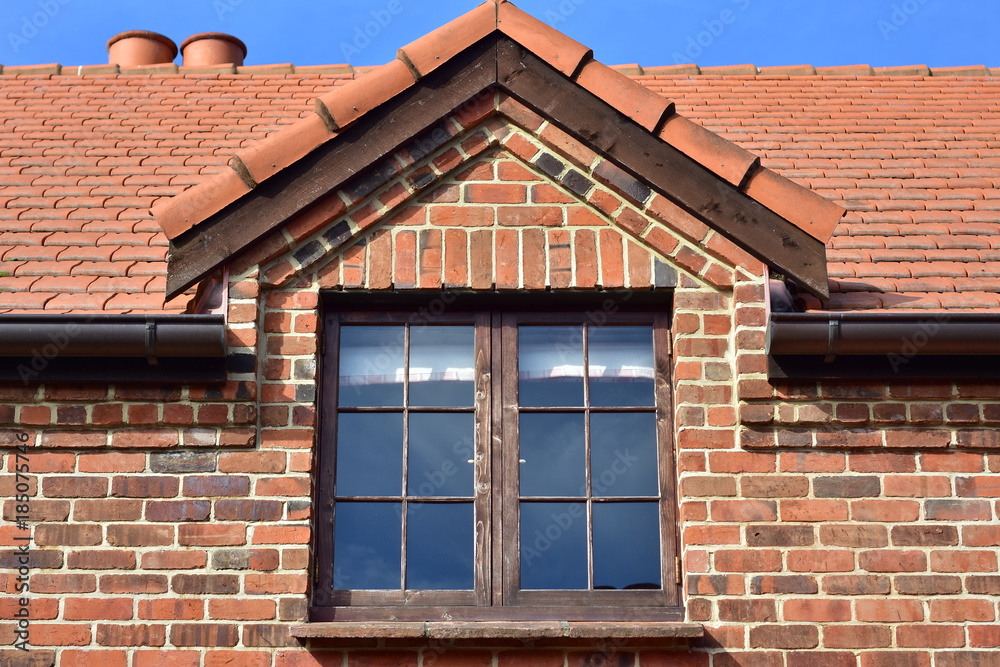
626, 545
440, 454
442, 366
439, 546
553, 545
623, 454
550, 366
621, 366
371, 366
369, 454
367, 546
552, 454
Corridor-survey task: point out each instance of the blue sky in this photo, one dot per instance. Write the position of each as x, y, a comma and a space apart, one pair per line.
938, 33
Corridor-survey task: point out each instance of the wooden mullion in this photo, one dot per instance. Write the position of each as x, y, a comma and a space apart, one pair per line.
589, 512
482, 453
510, 543
326, 460
669, 528
404, 509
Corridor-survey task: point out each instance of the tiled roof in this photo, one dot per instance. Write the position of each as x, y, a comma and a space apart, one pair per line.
914, 157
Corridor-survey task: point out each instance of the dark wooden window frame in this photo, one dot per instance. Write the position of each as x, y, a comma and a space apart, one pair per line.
496, 594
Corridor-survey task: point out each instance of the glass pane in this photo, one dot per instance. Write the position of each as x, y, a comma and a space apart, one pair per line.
626, 545
369, 454
621, 366
439, 546
552, 455
367, 546
623, 454
441, 455
553, 545
442, 368
371, 366
550, 366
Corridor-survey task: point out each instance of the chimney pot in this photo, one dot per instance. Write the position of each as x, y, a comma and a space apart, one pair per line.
207, 49
135, 48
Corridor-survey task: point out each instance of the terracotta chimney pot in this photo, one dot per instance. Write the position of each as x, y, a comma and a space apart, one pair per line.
207, 49
135, 48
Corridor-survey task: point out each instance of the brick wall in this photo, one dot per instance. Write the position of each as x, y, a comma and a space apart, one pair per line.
822, 523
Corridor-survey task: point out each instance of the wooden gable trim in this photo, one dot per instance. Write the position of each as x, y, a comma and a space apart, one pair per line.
375, 136
499, 62
757, 229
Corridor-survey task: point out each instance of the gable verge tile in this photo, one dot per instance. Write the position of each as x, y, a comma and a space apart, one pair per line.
723, 158
178, 214
802, 207
438, 47
561, 52
631, 98
280, 149
345, 104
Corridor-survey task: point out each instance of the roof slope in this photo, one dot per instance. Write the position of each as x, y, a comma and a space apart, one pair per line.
915, 159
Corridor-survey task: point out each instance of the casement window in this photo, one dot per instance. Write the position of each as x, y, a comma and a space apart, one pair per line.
496, 465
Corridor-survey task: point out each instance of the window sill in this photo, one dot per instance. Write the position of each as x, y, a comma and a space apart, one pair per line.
524, 631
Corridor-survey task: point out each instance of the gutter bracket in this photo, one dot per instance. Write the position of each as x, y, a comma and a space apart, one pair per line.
833, 336
151, 344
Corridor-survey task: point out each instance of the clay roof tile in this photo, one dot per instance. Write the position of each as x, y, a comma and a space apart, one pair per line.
807, 210
178, 214
438, 47
345, 104
722, 157
631, 98
563, 53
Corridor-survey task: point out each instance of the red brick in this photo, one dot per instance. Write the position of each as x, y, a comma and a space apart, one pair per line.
930, 636
93, 658
823, 611
171, 609
892, 560
168, 658
211, 534
889, 611
747, 560
857, 636
495, 193
895, 659
821, 560
111, 462
97, 609
131, 635
964, 561
813, 510
885, 510
242, 610
962, 610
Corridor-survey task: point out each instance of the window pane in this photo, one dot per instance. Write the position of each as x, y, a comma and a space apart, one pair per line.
623, 454
626, 545
369, 454
550, 366
439, 546
553, 545
367, 546
441, 454
442, 368
552, 454
371, 366
621, 366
